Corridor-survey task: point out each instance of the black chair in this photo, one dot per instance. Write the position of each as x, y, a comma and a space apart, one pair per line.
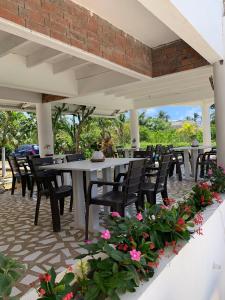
204, 161
43, 179
160, 186
57, 198
19, 173
176, 160
75, 157
118, 198
150, 148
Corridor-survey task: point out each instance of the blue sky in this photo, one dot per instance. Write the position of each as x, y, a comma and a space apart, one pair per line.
175, 112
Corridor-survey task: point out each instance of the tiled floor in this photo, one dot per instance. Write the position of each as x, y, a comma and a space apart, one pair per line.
37, 246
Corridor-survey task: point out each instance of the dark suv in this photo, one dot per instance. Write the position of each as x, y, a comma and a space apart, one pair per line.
26, 150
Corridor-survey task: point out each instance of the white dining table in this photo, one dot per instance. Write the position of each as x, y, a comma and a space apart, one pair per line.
91, 169
190, 169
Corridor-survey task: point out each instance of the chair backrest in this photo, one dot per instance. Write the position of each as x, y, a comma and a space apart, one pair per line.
134, 178
75, 157
161, 179
143, 154
14, 166
150, 148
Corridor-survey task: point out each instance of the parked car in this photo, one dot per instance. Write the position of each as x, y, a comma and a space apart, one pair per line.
28, 149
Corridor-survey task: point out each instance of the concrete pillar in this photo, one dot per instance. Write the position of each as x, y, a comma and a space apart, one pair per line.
206, 124
45, 132
219, 91
134, 128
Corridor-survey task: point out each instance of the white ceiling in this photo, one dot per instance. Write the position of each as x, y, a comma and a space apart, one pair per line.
133, 18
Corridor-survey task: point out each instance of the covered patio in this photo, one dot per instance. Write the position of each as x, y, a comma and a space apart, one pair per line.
89, 53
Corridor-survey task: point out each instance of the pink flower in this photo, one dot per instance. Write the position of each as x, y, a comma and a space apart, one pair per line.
164, 207
115, 214
106, 234
88, 242
210, 172
161, 252
41, 292
135, 255
68, 296
70, 269
139, 216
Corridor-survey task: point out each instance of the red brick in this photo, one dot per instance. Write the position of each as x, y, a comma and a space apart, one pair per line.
11, 17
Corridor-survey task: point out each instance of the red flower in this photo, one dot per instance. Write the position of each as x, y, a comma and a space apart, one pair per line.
70, 269
41, 277
152, 264
145, 235
68, 296
41, 292
152, 246
180, 224
217, 197
204, 185
169, 201
187, 209
161, 252
202, 200
47, 277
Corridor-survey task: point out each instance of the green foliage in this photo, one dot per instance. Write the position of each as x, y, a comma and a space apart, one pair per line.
10, 272
52, 290
217, 178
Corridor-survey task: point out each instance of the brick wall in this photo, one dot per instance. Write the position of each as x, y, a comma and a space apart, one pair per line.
72, 24
175, 57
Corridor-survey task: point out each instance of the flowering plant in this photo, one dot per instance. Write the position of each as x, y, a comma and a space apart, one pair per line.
50, 289
127, 251
200, 197
217, 178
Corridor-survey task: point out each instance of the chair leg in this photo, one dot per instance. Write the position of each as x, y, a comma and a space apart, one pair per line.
61, 205
29, 183
55, 214
13, 185
196, 173
24, 184
151, 198
86, 222
121, 211
164, 194
32, 187
37, 208
71, 203
178, 170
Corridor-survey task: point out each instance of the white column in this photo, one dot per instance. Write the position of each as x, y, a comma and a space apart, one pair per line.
134, 128
45, 132
206, 124
219, 90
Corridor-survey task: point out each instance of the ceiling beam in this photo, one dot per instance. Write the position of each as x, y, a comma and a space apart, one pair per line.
101, 81
19, 95
67, 64
41, 56
196, 95
10, 43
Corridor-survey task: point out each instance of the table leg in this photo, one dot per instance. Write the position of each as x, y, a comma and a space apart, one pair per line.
187, 170
78, 199
94, 209
194, 156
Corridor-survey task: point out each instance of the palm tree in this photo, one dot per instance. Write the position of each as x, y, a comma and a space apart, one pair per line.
163, 115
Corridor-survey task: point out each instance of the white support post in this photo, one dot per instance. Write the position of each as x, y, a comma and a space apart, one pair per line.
219, 90
134, 128
206, 124
45, 132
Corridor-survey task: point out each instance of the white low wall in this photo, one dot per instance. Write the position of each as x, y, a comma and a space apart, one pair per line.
196, 273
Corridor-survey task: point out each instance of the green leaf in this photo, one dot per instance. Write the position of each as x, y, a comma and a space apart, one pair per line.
115, 268
92, 293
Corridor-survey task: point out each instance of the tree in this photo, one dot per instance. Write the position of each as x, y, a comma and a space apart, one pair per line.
196, 117
163, 116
